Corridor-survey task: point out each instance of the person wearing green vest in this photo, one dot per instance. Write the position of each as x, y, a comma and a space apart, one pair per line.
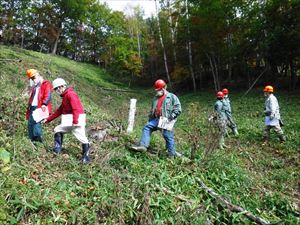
230, 122
165, 105
221, 120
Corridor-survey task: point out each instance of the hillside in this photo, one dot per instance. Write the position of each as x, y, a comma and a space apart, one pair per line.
124, 187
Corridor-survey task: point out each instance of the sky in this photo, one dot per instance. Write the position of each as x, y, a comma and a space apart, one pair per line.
122, 5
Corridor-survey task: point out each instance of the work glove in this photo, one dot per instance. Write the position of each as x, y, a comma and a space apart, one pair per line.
267, 113
43, 121
172, 117
44, 107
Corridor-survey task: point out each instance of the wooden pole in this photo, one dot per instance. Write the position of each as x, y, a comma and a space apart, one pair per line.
132, 110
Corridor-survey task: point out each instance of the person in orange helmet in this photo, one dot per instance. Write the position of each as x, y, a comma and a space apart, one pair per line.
40, 97
272, 115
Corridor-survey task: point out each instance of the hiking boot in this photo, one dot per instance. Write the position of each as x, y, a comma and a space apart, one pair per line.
85, 153
139, 148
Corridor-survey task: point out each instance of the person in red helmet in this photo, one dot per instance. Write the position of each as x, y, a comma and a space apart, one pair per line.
272, 115
221, 118
40, 97
164, 105
230, 122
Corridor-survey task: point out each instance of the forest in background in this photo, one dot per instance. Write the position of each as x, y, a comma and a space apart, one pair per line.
192, 44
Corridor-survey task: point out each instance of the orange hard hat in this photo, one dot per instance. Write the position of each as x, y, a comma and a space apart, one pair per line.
31, 72
159, 84
268, 88
225, 91
220, 94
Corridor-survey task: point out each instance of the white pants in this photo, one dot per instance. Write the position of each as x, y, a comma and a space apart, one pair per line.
79, 132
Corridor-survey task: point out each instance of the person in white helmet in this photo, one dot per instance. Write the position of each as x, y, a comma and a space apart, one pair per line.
71, 104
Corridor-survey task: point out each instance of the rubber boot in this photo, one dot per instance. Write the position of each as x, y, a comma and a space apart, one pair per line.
282, 138
58, 141
38, 139
85, 153
265, 140
221, 142
235, 132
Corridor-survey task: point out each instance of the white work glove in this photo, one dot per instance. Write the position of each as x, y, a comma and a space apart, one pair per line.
43, 121
44, 108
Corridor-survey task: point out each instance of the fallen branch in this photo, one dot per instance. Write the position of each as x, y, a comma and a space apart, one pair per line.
232, 207
179, 197
116, 89
10, 60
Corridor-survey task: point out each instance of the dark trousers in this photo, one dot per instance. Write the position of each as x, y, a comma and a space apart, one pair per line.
35, 131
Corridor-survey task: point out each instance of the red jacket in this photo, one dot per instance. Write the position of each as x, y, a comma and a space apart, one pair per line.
44, 97
70, 105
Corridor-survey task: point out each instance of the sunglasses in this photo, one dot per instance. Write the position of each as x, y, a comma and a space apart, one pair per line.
32, 78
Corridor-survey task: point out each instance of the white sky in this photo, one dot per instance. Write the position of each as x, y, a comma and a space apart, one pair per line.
120, 5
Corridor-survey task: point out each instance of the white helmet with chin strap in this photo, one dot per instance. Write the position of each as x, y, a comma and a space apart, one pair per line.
58, 82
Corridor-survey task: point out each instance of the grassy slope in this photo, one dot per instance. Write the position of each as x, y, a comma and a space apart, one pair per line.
123, 187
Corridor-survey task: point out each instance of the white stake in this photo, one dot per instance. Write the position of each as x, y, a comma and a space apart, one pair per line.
131, 115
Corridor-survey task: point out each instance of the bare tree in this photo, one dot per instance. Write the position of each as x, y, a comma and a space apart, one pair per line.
162, 44
189, 47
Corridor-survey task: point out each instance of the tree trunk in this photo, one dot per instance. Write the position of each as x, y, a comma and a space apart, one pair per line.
54, 49
294, 78
162, 45
22, 40
214, 70
190, 48
173, 28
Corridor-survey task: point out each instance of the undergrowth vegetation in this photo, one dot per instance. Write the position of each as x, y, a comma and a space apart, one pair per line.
125, 187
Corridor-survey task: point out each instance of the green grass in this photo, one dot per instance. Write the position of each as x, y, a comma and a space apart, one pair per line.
123, 187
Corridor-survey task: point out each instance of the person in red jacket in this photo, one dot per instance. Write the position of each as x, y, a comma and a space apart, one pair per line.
71, 105
40, 97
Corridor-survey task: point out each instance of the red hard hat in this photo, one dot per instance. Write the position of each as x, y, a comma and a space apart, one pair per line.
159, 84
220, 94
225, 91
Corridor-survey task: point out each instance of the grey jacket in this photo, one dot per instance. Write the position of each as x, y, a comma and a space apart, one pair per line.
220, 109
171, 107
227, 105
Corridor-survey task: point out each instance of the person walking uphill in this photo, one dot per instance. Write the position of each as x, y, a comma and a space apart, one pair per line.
164, 105
71, 105
230, 123
221, 120
272, 115
40, 97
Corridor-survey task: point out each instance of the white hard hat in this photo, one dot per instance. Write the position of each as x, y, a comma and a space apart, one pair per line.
58, 82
